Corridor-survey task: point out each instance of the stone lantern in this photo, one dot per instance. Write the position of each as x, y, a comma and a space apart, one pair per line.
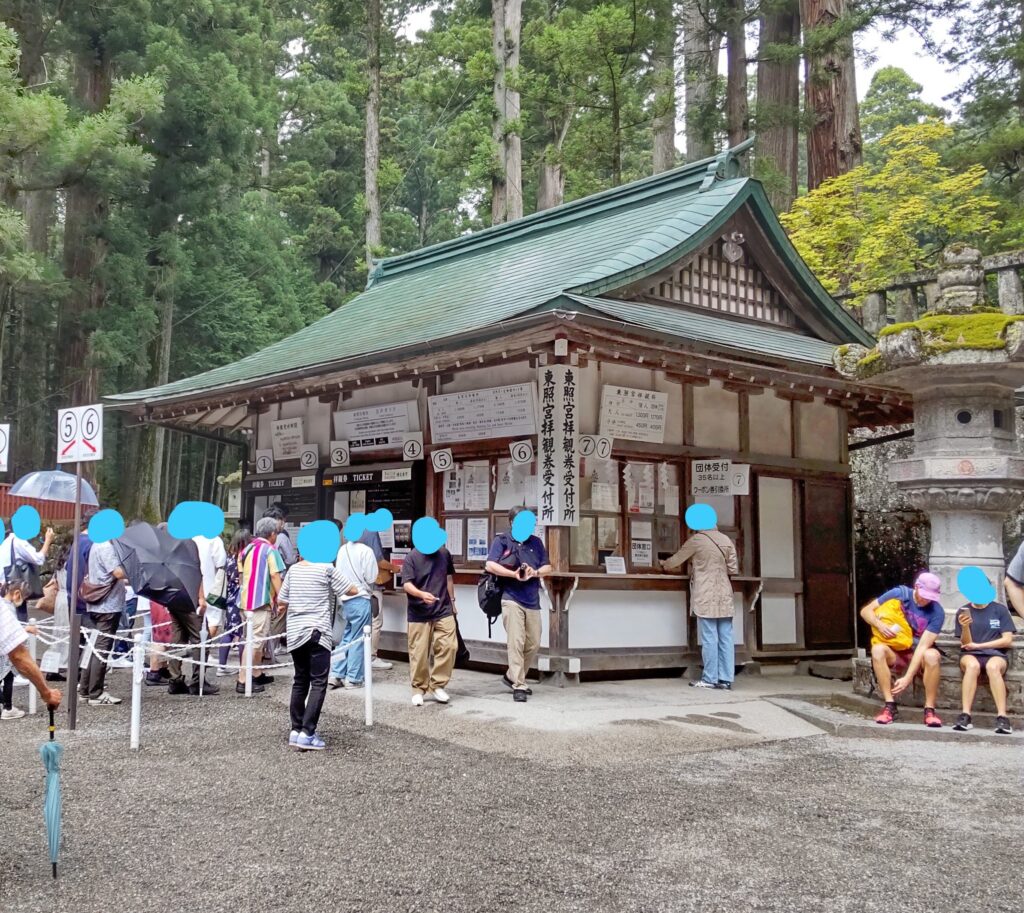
962, 363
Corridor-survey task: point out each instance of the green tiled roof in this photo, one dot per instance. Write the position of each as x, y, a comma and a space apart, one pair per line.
471, 283
718, 331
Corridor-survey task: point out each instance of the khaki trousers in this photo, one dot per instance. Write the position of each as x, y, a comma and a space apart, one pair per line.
376, 621
522, 631
437, 638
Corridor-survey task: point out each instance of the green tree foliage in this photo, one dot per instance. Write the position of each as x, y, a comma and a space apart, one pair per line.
885, 219
893, 100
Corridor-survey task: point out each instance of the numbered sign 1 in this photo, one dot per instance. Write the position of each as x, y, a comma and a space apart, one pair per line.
412, 446
593, 446
522, 452
309, 456
442, 460
80, 434
5, 446
264, 461
340, 453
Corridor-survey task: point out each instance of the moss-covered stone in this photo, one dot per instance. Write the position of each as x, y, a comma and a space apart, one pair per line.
980, 329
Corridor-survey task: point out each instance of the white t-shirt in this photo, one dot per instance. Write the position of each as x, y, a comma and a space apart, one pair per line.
357, 563
212, 557
23, 550
12, 635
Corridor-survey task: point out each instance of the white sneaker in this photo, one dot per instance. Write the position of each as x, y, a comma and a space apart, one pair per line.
417, 700
381, 665
224, 671
122, 662
13, 714
20, 681
440, 695
104, 700
351, 686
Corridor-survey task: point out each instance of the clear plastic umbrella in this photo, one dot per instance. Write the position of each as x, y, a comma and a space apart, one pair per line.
51, 752
53, 485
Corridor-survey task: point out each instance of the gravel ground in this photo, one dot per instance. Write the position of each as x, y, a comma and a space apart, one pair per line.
808, 824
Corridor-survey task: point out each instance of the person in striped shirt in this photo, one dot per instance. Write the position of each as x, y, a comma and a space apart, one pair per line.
307, 597
261, 569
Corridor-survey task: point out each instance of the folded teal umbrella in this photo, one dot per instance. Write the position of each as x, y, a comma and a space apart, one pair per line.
51, 752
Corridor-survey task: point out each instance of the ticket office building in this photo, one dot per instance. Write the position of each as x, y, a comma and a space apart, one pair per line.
606, 363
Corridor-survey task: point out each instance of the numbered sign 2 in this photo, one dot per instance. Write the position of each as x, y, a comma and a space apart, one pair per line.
80, 434
5, 446
340, 455
412, 446
309, 457
442, 460
264, 461
522, 452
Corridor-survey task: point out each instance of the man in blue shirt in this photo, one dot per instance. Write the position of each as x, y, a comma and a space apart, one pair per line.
519, 565
925, 616
986, 636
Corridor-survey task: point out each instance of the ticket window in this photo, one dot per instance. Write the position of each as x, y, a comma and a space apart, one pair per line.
297, 491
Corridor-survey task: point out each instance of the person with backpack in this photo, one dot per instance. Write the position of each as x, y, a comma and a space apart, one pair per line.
712, 558
925, 616
519, 559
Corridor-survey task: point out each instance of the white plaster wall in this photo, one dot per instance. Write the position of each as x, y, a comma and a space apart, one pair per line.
775, 527
818, 431
778, 619
518, 372
771, 425
716, 420
627, 619
674, 419
589, 398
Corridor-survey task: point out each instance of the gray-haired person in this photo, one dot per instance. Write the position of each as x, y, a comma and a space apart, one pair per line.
261, 569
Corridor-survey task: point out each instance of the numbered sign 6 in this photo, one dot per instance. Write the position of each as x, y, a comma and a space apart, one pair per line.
339, 453
412, 446
80, 434
442, 460
309, 457
522, 452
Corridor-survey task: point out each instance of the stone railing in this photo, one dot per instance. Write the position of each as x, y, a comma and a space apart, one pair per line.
906, 298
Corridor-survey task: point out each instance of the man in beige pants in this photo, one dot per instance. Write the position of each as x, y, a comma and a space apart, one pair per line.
519, 560
429, 584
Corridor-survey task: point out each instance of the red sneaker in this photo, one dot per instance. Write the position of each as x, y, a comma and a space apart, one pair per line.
931, 718
888, 715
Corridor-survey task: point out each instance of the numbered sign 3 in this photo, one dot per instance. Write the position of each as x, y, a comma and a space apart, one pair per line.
264, 461
442, 460
340, 453
412, 446
309, 457
522, 452
80, 434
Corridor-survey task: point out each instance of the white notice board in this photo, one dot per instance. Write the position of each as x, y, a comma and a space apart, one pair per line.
633, 415
286, 438
477, 415
377, 427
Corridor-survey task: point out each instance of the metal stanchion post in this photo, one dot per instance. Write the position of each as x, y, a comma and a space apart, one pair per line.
31, 688
368, 674
138, 671
250, 653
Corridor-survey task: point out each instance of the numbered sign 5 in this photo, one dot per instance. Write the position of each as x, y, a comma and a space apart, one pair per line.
264, 461
522, 452
339, 453
309, 457
442, 460
80, 434
412, 446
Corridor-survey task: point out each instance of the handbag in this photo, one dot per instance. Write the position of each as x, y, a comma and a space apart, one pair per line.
94, 593
48, 601
28, 574
384, 573
218, 595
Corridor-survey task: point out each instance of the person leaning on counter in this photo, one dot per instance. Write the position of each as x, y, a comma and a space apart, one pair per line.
713, 561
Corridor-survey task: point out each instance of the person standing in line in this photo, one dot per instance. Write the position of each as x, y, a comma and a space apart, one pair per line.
519, 559
261, 571
428, 579
356, 562
13, 650
306, 597
283, 544
187, 628
372, 539
108, 577
213, 559
713, 561
233, 611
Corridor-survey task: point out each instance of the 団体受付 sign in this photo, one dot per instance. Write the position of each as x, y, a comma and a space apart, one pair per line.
80, 434
710, 478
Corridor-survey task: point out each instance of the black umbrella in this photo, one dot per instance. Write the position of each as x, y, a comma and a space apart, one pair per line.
160, 567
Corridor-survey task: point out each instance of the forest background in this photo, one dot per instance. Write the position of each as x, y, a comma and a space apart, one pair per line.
183, 183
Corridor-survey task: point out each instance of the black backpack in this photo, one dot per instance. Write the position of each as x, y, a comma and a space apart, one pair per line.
490, 588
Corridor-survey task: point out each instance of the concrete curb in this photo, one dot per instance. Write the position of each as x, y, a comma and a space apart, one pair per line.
843, 725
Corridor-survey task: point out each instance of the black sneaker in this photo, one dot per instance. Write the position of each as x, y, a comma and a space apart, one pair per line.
55, 677
519, 695
1003, 726
963, 723
240, 688
208, 688
507, 682
262, 679
154, 678
724, 686
177, 686
164, 673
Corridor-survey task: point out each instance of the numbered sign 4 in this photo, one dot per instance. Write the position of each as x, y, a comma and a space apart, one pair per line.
442, 460
412, 446
522, 452
80, 434
309, 457
264, 461
340, 455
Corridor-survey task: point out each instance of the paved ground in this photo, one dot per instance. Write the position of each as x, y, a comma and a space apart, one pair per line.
635, 796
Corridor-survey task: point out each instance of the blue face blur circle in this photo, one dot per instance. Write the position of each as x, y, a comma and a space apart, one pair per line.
427, 536
355, 526
106, 525
700, 517
380, 520
319, 541
195, 518
972, 582
25, 522
523, 525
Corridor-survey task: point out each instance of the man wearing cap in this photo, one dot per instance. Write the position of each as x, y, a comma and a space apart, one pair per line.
925, 616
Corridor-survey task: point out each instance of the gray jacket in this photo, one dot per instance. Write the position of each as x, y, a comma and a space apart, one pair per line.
713, 561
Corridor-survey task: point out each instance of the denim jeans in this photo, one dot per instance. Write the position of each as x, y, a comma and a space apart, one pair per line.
350, 664
717, 650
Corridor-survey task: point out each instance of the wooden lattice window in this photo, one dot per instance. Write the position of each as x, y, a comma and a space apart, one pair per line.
738, 288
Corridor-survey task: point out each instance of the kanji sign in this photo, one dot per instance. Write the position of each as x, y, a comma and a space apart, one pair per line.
710, 478
5, 446
80, 434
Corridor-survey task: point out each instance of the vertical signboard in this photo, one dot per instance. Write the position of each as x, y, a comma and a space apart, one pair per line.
558, 468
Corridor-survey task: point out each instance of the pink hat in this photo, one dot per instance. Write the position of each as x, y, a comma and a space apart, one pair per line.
929, 586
